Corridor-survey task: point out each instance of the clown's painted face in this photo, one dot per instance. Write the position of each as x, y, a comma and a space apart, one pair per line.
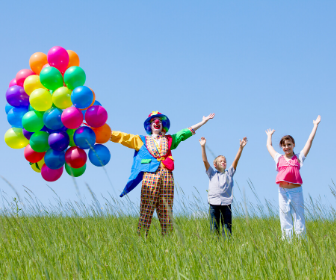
156, 125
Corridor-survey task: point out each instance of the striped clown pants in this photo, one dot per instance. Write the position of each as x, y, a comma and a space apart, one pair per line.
157, 192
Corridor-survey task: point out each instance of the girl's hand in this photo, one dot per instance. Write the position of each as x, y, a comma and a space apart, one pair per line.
270, 132
317, 121
202, 141
243, 142
205, 119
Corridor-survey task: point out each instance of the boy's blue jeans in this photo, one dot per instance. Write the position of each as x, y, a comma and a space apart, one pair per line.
221, 214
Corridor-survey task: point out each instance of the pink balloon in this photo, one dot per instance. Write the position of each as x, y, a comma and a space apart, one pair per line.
51, 175
22, 75
45, 65
12, 83
58, 57
96, 116
72, 117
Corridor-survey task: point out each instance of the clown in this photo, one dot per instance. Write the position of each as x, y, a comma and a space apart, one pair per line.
153, 165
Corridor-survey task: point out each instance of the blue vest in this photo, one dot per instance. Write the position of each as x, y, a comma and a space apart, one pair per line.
143, 161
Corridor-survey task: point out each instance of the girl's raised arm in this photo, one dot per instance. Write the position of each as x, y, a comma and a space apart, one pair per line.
269, 146
309, 143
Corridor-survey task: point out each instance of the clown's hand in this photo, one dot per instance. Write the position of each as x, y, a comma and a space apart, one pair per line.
205, 119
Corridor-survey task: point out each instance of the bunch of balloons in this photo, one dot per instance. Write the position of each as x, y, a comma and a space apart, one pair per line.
54, 117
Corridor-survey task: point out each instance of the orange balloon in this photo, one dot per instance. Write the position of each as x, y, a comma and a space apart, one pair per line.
73, 58
94, 99
103, 133
37, 61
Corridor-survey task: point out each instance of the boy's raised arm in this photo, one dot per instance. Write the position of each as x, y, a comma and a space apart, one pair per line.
204, 157
309, 143
241, 147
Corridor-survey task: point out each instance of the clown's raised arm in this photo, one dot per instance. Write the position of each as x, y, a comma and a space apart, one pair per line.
153, 165
157, 125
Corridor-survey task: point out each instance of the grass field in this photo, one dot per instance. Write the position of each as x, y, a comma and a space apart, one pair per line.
81, 241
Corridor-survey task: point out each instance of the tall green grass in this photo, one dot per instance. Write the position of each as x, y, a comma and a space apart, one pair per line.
98, 240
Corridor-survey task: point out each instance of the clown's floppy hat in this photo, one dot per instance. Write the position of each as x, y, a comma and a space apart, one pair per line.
155, 114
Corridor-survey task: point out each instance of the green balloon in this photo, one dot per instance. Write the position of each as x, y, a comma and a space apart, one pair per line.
51, 78
74, 77
39, 141
32, 121
32, 109
75, 172
71, 134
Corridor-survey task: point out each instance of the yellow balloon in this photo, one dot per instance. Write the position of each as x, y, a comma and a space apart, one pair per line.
37, 166
31, 83
61, 97
15, 139
40, 99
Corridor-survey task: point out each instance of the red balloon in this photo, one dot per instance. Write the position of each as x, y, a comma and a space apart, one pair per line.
22, 75
72, 117
75, 157
96, 116
31, 155
51, 175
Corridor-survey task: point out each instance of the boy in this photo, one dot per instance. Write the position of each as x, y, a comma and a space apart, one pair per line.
220, 188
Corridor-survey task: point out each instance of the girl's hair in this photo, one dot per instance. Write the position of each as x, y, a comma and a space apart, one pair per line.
286, 137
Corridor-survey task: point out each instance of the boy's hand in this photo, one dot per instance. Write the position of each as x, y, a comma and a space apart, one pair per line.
270, 132
317, 121
243, 142
202, 141
205, 119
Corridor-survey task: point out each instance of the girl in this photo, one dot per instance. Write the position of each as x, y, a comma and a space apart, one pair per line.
289, 180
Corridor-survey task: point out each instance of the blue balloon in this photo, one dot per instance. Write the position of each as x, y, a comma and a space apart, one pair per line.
99, 155
50, 131
8, 108
52, 118
15, 115
83, 112
84, 137
54, 159
82, 97
97, 103
46, 129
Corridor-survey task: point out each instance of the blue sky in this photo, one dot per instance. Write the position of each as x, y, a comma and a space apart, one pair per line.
256, 64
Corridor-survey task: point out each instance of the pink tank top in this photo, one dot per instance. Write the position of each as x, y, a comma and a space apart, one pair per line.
289, 171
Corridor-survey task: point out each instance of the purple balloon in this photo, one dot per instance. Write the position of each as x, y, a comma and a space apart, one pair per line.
17, 97
27, 134
96, 116
59, 141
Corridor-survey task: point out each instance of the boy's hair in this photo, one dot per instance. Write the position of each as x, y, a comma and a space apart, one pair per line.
286, 137
215, 160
